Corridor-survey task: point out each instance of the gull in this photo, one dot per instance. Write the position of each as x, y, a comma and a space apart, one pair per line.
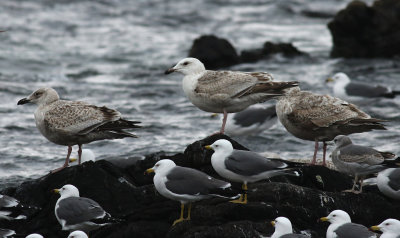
185, 185
316, 117
283, 229
388, 182
75, 123
357, 160
244, 166
226, 91
35, 235
390, 228
342, 227
78, 234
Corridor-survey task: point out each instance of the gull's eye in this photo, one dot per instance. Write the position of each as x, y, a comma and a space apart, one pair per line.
185, 63
333, 215
38, 93
386, 224
216, 145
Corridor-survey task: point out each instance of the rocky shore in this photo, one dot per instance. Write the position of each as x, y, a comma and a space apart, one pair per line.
129, 195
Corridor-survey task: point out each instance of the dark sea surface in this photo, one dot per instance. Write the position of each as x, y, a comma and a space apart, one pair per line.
114, 53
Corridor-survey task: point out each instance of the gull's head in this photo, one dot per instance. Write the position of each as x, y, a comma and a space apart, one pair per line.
35, 235
42, 96
187, 66
221, 145
388, 226
87, 155
162, 166
78, 234
341, 141
340, 78
282, 226
67, 190
337, 217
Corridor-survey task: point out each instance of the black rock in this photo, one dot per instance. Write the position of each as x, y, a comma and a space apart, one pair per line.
129, 195
363, 31
269, 48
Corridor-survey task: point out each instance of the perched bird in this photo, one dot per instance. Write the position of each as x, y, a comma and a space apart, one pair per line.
35, 235
390, 228
357, 160
244, 166
252, 120
342, 227
388, 182
75, 123
74, 212
283, 229
6, 232
345, 89
78, 234
226, 91
315, 117
186, 185
10, 208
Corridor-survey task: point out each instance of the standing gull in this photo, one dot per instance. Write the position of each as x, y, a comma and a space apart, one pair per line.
283, 229
74, 212
315, 117
185, 185
357, 160
390, 228
388, 182
75, 123
78, 234
344, 88
342, 227
244, 166
226, 91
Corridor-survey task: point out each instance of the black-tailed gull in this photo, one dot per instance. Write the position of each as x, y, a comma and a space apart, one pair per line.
315, 117
186, 185
75, 123
252, 120
78, 234
34, 235
244, 166
344, 88
88, 155
390, 228
226, 91
79, 213
388, 182
7, 204
283, 229
342, 227
357, 160
6, 232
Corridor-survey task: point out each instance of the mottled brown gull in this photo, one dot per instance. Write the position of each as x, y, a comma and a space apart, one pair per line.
75, 123
315, 117
226, 91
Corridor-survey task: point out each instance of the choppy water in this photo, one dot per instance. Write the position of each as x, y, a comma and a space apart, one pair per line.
114, 53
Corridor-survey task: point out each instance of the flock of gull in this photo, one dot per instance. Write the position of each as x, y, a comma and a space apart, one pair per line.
306, 115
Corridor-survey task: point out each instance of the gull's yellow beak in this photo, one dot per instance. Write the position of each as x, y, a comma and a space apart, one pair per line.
56, 190
375, 228
273, 223
149, 171
324, 219
208, 147
329, 80
72, 160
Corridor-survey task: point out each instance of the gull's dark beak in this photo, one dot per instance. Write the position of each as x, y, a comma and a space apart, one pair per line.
23, 101
168, 71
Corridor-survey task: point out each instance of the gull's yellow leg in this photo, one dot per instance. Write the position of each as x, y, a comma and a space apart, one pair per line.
189, 210
181, 218
243, 196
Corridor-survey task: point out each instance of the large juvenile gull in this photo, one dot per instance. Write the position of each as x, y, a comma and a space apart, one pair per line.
74, 212
357, 160
226, 91
283, 229
388, 182
250, 121
389, 227
35, 235
315, 117
78, 234
185, 185
75, 123
244, 166
345, 89
342, 227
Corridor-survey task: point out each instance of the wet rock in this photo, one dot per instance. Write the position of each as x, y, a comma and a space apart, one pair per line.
128, 194
366, 31
214, 52
270, 48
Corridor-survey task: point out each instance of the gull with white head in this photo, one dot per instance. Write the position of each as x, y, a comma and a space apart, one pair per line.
78, 234
390, 228
283, 229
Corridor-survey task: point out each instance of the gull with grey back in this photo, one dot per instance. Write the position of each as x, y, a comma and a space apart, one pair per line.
75, 123
226, 91
390, 228
316, 117
388, 182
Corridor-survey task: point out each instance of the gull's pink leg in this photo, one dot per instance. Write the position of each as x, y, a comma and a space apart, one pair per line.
66, 161
324, 154
224, 122
79, 153
314, 160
